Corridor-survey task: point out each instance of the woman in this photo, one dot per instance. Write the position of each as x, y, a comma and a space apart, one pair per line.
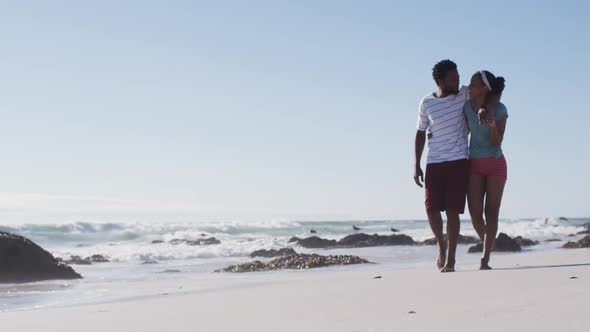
486, 119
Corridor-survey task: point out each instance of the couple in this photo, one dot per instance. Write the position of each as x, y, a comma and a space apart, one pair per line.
455, 169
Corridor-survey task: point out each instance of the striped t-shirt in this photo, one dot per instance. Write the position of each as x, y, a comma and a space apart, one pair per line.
443, 117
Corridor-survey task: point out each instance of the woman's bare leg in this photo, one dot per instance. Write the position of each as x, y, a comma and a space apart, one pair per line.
475, 197
494, 191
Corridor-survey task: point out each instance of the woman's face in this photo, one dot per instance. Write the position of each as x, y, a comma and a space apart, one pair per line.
477, 88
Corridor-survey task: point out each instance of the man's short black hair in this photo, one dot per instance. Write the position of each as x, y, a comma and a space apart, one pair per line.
440, 70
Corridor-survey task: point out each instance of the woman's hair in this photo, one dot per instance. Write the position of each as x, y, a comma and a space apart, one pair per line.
496, 83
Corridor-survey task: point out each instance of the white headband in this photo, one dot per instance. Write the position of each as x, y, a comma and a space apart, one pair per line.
485, 80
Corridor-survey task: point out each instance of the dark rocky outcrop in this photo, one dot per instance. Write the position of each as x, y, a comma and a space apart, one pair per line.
359, 240
99, 259
77, 260
586, 230
297, 261
476, 248
170, 271
21, 260
273, 252
503, 243
198, 242
552, 240
583, 243
157, 242
524, 242
463, 239
315, 242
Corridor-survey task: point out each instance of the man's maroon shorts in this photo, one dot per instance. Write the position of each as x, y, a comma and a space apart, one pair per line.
446, 185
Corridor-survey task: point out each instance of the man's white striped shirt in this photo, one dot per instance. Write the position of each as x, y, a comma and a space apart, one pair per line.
443, 118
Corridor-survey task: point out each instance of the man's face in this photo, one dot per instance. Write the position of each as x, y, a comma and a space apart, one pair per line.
450, 85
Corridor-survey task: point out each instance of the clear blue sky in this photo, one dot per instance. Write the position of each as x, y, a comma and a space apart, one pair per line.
131, 110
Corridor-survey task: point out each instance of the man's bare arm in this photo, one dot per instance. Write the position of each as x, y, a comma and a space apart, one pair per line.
419, 148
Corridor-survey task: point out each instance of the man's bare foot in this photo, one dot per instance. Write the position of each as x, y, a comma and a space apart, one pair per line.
484, 264
449, 267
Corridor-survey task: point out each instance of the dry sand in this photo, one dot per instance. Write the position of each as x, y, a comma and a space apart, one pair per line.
526, 292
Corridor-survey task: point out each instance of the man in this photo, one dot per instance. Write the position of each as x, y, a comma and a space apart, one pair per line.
441, 113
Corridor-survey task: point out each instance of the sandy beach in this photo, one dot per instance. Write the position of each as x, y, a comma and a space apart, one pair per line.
540, 291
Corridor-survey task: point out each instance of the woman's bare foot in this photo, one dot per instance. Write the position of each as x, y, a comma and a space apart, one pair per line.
484, 264
442, 257
440, 263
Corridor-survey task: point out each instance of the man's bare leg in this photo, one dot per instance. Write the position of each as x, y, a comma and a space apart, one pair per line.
453, 228
436, 224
